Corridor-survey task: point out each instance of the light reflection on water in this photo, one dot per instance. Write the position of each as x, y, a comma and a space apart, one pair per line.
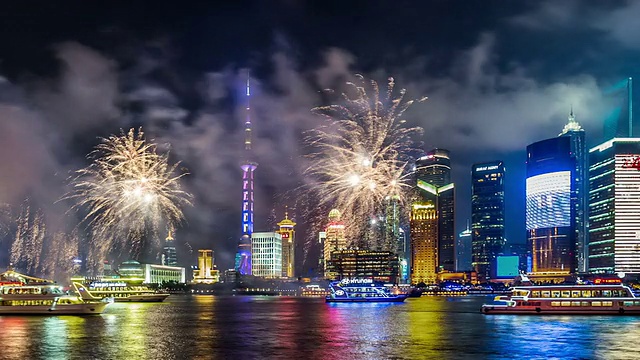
202, 327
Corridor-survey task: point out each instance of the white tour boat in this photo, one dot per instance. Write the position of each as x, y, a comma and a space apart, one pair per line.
17, 298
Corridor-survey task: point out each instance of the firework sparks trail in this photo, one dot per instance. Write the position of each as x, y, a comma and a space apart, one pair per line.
361, 155
26, 249
129, 191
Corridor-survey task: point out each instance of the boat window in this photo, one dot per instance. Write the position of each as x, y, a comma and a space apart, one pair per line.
586, 293
555, 294
606, 293
546, 294
565, 303
607, 303
596, 303
584, 303
615, 293
575, 303
566, 293
555, 303
575, 293
628, 303
535, 294
597, 293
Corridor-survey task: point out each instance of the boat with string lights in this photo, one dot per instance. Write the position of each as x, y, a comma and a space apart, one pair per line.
606, 299
119, 289
25, 295
362, 290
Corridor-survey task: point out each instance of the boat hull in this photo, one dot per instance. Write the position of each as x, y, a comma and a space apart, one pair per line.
499, 310
143, 298
70, 309
366, 300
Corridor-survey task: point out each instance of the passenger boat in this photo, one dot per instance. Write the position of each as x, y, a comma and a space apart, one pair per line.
566, 300
18, 298
120, 292
361, 290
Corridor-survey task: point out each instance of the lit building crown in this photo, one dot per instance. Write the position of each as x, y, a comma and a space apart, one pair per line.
572, 125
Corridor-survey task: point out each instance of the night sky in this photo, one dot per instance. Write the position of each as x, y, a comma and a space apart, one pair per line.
499, 75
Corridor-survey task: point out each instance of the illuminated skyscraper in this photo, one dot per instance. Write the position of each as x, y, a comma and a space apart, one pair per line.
433, 173
614, 207
487, 216
550, 219
579, 191
435, 167
286, 230
334, 239
243, 255
169, 255
266, 250
424, 242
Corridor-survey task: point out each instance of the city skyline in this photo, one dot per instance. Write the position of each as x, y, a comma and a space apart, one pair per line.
489, 96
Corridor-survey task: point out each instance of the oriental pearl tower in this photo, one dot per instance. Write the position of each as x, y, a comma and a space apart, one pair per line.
243, 255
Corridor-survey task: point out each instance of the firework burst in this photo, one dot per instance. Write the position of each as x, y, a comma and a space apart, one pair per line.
129, 192
360, 155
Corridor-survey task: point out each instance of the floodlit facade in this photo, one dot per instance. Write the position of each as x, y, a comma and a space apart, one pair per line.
266, 250
424, 242
487, 216
334, 239
433, 178
205, 272
614, 207
286, 228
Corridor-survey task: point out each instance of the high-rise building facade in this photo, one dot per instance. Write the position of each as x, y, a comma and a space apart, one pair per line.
487, 216
614, 207
266, 251
463, 250
334, 239
550, 213
169, 254
433, 178
243, 259
579, 191
434, 168
286, 228
424, 242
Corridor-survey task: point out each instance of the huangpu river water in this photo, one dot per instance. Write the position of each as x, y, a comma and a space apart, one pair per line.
208, 327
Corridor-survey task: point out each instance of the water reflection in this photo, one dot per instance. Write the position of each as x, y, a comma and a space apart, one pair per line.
203, 327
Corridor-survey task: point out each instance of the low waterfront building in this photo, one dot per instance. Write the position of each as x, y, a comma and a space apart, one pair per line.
364, 264
266, 250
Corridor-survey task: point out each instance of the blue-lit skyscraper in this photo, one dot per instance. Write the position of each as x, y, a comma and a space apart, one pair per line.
550, 213
487, 216
243, 255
